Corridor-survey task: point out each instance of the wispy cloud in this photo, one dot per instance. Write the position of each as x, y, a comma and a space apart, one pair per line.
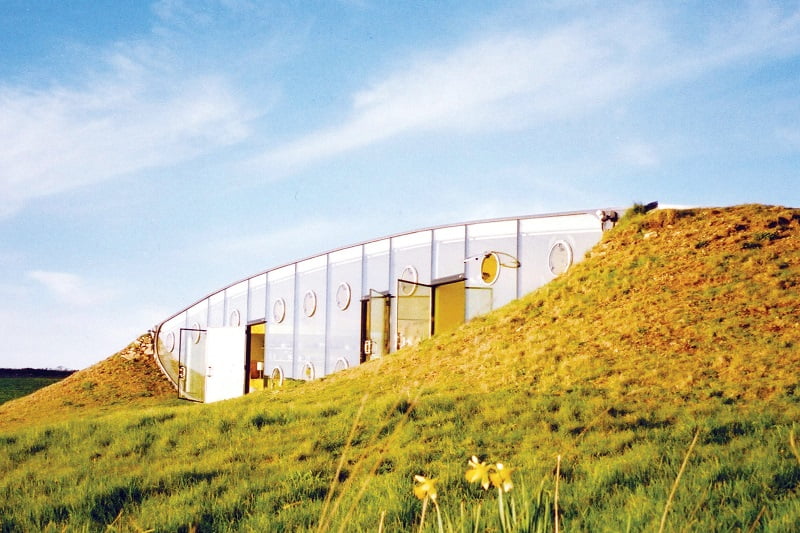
70, 288
128, 114
519, 79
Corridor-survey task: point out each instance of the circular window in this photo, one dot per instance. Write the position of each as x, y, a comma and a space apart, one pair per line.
310, 303
308, 371
560, 257
276, 377
279, 310
410, 275
341, 364
343, 295
235, 318
196, 333
490, 268
169, 341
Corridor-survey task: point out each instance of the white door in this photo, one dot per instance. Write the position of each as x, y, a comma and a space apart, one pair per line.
225, 361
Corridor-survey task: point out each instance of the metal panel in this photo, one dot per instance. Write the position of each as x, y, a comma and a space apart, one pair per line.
499, 238
448, 251
310, 317
216, 310
256, 298
344, 311
236, 305
578, 232
376, 266
280, 320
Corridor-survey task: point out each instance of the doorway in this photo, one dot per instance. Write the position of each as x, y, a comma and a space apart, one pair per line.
256, 342
424, 310
375, 325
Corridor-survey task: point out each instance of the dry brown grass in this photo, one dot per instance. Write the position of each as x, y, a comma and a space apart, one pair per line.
127, 378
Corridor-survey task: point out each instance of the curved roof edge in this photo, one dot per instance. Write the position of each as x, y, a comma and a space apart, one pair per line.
595, 212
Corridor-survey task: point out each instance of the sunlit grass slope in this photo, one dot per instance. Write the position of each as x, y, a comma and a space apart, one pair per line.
679, 323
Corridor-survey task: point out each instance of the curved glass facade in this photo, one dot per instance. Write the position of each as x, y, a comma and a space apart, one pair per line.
340, 308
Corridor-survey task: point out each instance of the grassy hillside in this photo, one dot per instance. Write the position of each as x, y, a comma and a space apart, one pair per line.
128, 377
662, 370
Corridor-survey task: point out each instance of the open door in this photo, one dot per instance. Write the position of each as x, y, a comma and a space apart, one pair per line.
375, 325
425, 310
449, 305
256, 341
225, 363
414, 312
192, 364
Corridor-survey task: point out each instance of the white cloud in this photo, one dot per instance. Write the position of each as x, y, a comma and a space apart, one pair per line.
521, 80
135, 114
70, 288
502, 81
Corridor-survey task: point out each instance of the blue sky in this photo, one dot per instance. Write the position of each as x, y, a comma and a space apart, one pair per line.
155, 152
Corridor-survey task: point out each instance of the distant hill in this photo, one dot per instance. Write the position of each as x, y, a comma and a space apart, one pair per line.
34, 373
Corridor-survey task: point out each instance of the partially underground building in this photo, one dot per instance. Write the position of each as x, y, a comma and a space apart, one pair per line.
344, 307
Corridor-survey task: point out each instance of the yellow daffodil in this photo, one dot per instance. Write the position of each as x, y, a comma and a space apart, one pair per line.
501, 477
478, 472
426, 488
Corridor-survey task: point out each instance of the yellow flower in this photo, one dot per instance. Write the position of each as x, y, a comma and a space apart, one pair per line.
478, 472
501, 477
426, 488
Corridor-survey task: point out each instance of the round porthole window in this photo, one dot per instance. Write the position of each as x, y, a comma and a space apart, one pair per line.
341, 364
310, 303
410, 275
276, 377
279, 310
308, 372
196, 333
490, 268
560, 258
343, 295
235, 318
169, 341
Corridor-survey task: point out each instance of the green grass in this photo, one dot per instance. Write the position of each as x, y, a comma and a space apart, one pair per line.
614, 367
11, 388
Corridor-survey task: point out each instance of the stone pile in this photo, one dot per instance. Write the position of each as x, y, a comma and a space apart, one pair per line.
141, 348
